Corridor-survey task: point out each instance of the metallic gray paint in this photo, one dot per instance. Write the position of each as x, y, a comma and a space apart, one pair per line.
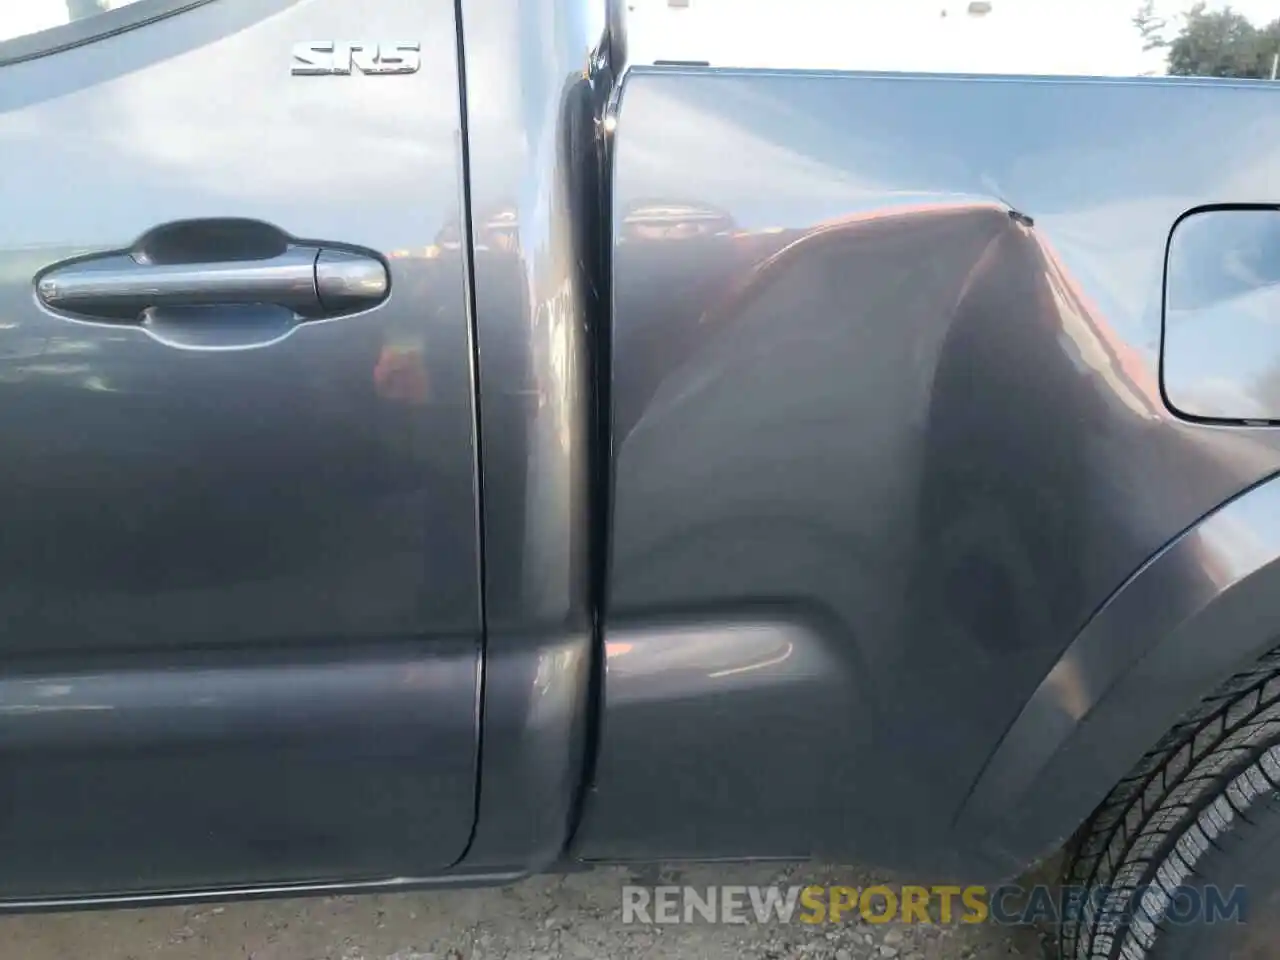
87, 29
211, 770
537, 75
876, 429
1204, 607
885, 367
311, 498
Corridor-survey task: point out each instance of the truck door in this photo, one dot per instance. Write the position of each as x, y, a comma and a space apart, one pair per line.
239, 602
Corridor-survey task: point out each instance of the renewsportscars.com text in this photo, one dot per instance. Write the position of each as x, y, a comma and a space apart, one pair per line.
1009, 905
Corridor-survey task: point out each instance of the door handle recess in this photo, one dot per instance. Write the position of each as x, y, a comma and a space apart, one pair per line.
313, 282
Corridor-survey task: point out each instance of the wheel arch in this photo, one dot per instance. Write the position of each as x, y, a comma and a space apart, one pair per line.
1202, 608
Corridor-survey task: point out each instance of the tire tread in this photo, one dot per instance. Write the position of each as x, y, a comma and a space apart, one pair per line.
1180, 802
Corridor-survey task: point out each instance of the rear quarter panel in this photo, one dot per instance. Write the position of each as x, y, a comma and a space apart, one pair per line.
887, 430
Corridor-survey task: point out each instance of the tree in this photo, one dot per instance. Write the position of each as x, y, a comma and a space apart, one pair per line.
1150, 26
1220, 43
1212, 43
1268, 43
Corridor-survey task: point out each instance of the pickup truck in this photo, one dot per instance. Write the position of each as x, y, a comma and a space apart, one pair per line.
436, 451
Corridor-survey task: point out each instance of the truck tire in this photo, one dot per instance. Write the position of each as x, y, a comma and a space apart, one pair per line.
1191, 833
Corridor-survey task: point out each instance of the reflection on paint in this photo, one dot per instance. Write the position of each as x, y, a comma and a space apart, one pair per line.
21, 17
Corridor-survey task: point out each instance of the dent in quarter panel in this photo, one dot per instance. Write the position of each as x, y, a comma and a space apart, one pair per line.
891, 373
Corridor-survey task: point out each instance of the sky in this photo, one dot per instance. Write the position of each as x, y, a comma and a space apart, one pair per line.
1080, 37
1074, 37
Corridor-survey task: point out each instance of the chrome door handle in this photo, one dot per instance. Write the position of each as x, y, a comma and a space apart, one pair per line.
216, 284
313, 282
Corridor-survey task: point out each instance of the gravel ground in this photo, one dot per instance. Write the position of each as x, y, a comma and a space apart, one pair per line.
576, 917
